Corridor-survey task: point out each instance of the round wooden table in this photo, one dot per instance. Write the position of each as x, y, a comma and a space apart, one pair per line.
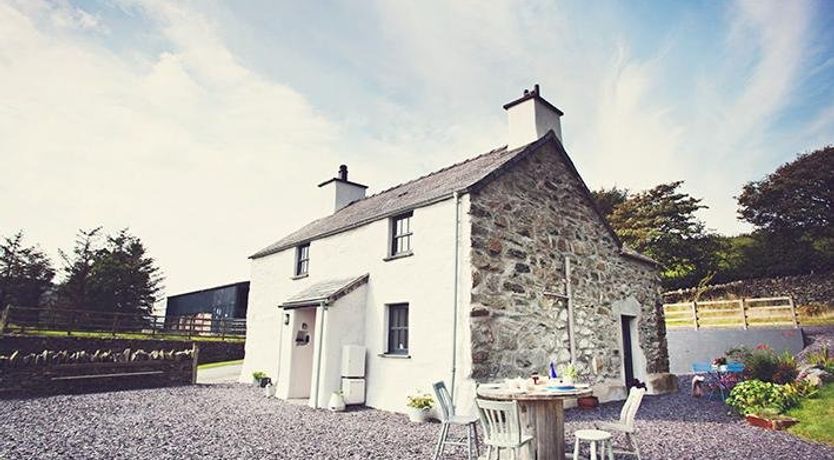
545, 415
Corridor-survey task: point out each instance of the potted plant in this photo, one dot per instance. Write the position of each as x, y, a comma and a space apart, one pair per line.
587, 402
337, 402
569, 373
419, 407
257, 376
268, 386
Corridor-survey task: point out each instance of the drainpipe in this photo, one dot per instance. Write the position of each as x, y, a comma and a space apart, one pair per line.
455, 294
323, 306
571, 329
284, 314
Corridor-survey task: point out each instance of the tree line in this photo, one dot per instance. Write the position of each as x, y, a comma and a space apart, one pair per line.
102, 273
791, 209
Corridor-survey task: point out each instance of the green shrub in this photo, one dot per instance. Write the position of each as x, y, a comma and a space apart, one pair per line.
755, 396
762, 363
258, 375
822, 359
420, 401
802, 389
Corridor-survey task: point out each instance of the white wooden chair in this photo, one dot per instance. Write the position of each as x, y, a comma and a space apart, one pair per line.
501, 421
594, 438
626, 423
450, 418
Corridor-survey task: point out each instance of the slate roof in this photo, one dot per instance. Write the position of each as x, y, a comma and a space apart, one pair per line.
431, 188
325, 291
434, 187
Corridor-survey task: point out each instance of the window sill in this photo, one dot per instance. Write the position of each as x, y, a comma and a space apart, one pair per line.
394, 356
298, 277
398, 256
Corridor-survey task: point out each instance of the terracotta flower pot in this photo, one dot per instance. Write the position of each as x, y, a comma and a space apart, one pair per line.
780, 422
588, 402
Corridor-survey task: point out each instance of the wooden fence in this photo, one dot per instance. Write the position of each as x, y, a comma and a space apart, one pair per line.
23, 320
770, 311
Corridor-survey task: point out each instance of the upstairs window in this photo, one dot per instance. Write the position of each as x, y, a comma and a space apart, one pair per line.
401, 234
302, 259
398, 329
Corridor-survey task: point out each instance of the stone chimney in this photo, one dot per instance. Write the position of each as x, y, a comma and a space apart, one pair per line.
530, 117
340, 192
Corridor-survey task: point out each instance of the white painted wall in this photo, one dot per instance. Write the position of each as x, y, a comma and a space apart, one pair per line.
528, 121
424, 280
344, 324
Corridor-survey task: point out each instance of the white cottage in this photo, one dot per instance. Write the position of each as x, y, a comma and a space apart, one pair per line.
490, 268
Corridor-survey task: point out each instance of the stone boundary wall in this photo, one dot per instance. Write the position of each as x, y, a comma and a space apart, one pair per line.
210, 351
816, 288
52, 373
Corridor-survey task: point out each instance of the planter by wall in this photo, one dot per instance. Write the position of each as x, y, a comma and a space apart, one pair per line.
337, 403
419, 415
588, 402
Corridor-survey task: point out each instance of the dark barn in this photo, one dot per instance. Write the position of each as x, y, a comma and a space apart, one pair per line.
227, 301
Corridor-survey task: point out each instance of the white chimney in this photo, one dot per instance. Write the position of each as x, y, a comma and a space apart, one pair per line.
531, 117
340, 192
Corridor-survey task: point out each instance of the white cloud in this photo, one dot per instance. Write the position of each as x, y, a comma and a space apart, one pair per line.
192, 151
207, 159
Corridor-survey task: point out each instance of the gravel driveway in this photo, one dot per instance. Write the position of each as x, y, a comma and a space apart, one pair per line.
231, 421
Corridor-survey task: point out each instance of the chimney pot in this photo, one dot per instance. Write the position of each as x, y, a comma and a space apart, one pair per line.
339, 192
531, 117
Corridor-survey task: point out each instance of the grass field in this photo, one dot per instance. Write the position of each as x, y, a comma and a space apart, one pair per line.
816, 417
220, 364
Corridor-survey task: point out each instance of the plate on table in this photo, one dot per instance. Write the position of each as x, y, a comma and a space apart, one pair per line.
560, 387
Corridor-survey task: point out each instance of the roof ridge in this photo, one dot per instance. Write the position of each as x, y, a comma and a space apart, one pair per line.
431, 173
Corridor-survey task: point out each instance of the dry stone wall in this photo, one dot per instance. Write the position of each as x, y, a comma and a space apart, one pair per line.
211, 351
52, 372
815, 288
524, 224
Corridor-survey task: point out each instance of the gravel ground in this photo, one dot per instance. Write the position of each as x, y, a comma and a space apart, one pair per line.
230, 421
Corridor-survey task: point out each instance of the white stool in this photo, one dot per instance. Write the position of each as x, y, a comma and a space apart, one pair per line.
593, 437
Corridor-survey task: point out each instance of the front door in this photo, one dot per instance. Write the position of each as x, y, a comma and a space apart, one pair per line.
628, 360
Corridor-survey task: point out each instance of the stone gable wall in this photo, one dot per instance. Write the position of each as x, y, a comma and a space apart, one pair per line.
524, 224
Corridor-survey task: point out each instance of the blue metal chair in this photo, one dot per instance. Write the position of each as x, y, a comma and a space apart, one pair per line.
450, 418
735, 367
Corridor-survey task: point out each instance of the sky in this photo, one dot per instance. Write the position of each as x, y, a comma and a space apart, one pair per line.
204, 127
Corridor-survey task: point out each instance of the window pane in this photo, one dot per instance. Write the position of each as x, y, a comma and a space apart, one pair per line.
398, 329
